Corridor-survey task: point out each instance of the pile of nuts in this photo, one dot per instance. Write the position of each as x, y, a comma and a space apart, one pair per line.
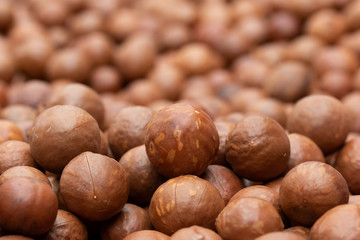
179, 119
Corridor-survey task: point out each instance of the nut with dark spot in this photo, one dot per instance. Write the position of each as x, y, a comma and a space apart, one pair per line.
185, 201
248, 218
181, 139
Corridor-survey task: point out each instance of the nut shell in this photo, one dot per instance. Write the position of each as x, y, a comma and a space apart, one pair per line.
340, 222
60, 133
181, 139
66, 226
185, 201
310, 189
131, 219
27, 206
128, 128
143, 178
258, 148
321, 118
348, 163
15, 153
225, 181
248, 218
94, 187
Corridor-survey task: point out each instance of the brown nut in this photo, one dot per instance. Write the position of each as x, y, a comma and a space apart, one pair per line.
197, 58
15, 153
225, 181
32, 55
350, 102
81, 96
17, 113
304, 48
169, 79
58, 65
185, 201
148, 235
281, 236
248, 218
143, 92
135, 57
181, 139
303, 149
269, 107
347, 163
321, 118
336, 83
243, 98
261, 192
66, 225
283, 25
23, 171
143, 178
318, 25
60, 133
130, 219
310, 189
288, 81
94, 187
338, 223
128, 128
105, 79
85, 22
194, 233
258, 148
9, 131
250, 71
50, 12
23, 93
335, 58
27, 206
97, 47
